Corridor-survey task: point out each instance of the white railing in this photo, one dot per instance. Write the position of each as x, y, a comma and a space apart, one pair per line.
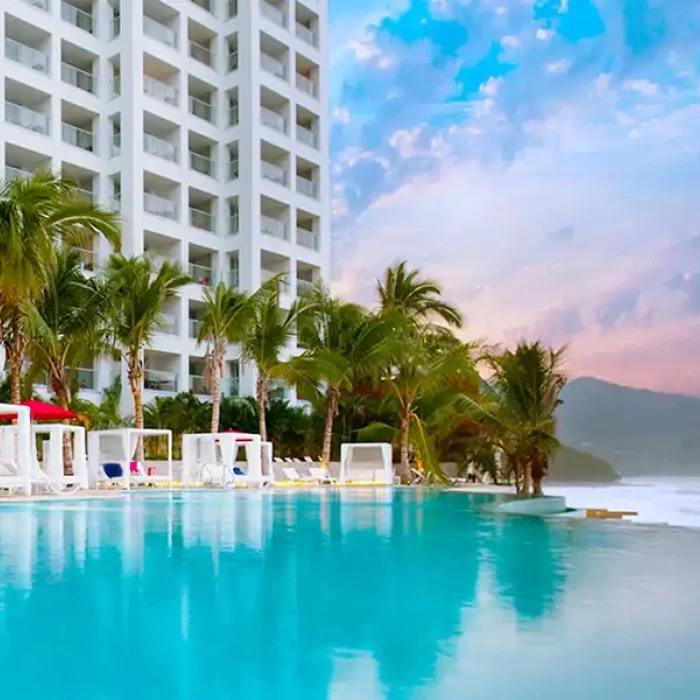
85, 377
27, 118
26, 55
159, 147
82, 79
202, 164
159, 31
200, 108
307, 136
233, 60
17, 173
115, 203
234, 278
230, 386
115, 27
160, 380
78, 17
41, 4
233, 169
273, 227
160, 206
271, 65
306, 34
306, 238
198, 385
306, 186
233, 114
272, 12
201, 274
202, 219
170, 325
76, 136
306, 85
116, 145
115, 86
195, 323
160, 90
273, 120
201, 53
234, 224
231, 9
273, 172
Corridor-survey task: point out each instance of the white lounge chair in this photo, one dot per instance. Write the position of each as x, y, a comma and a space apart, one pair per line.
321, 474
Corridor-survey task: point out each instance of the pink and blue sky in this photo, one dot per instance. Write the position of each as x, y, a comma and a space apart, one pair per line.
541, 158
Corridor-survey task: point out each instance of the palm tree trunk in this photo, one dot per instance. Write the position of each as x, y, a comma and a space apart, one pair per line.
16, 378
527, 477
135, 377
62, 392
405, 465
331, 412
261, 395
216, 392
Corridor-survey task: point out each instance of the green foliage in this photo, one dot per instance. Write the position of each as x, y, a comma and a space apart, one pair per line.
106, 414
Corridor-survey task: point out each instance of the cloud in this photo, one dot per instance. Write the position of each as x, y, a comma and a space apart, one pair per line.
642, 86
341, 114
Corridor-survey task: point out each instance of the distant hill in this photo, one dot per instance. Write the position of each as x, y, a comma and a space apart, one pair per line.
638, 432
569, 464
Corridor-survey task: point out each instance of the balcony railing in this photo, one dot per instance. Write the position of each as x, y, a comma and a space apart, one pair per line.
116, 145
233, 60
276, 389
115, 203
85, 377
307, 187
273, 172
26, 55
234, 278
159, 147
304, 286
199, 385
233, 170
80, 18
160, 380
273, 227
273, 120
19, 115
115, 86
202, 164
160, 90
234, 224
195, 324
87, 195
231, 9
272, 12
233, 114
87, 259
170, 325
82, 79
115, 27
160, 206
272, 65
201, 274
41, 4
17, 173
306, 34
202, 219
200, 108
159, 31
201, 53
76, 136
207, 5
267, 275
306, 238
230, 386
307, 136
306, 85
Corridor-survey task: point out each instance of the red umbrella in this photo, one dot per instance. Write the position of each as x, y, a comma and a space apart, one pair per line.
40, 411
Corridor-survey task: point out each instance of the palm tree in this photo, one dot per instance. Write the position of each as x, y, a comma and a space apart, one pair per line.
36, 215
341, 342
224, 320
520, 402
417, 299
270, 331
138, 295
422, 377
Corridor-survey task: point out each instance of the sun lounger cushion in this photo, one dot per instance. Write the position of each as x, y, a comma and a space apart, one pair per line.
113, 470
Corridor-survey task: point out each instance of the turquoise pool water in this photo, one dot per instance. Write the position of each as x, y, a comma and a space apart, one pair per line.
385, 594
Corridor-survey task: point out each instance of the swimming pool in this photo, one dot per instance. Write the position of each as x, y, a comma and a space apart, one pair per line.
352, 594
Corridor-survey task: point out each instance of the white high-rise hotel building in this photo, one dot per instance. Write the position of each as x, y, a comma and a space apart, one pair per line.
203, 122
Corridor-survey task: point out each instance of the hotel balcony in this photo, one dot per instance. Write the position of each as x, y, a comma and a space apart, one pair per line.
160, 206
78, 14
162, 30
162, 91
27, 118
273, 11
26, 55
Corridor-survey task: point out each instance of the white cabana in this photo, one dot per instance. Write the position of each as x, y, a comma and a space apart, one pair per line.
112, 453
367, 463
51, 471
16, 451
211, 458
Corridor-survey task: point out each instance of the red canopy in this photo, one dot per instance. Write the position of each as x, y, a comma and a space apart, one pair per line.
40, 411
